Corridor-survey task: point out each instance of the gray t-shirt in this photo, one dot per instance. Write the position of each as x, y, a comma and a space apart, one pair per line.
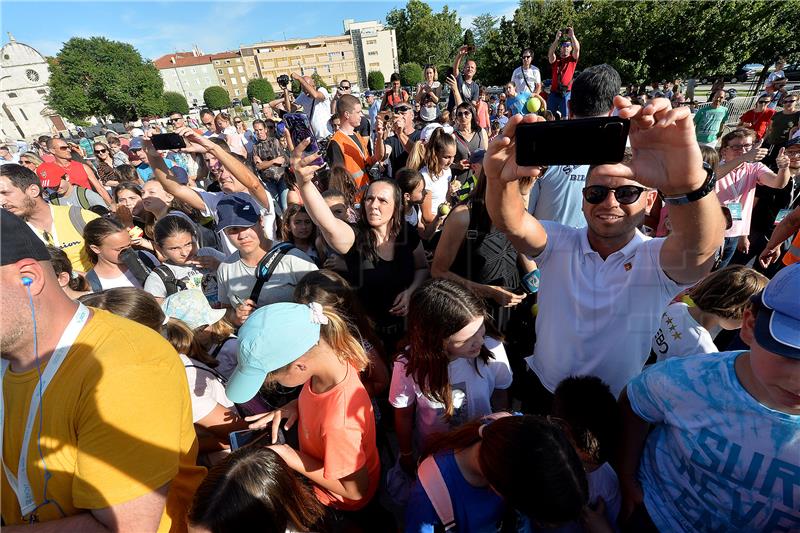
558, 195
193, 277
236, 280
72, 198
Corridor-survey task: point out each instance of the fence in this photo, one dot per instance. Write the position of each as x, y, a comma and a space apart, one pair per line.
737, 107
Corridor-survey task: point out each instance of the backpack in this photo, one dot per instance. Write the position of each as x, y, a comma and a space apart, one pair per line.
140, 257
432, 482
266, 267
167, 277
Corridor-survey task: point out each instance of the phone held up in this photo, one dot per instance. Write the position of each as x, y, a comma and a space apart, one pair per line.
585, 141
167, 141
300, 130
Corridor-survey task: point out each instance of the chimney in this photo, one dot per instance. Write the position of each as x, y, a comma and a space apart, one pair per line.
11, 37
172, 60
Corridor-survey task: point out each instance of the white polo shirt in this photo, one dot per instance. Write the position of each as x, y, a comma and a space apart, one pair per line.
597, 317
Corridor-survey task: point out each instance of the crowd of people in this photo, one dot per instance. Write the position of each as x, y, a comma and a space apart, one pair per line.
406, 330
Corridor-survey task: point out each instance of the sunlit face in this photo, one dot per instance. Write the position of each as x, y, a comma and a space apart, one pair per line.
101, 151
611, 219
64, 186
467, 342
300, 226
61, 150
244, 238
261, 132
789, 103
429, 75
154, 198
221, 124
131, 200
354, 117
526, 59
379, 204
110, 248
447, 156
28, 163
19, 202
737, 147
179, 248
470, 69
136, 156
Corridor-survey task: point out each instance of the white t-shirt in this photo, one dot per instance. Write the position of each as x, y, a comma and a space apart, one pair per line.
321, 115
236, 280
597, 317
126, 279
532, 74
680, 335
205, 389
437, 188
472, 391
194, 278
211, 199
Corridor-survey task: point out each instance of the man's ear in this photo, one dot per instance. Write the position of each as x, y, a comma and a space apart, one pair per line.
748, 326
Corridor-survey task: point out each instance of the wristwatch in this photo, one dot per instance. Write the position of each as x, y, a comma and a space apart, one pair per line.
707, 187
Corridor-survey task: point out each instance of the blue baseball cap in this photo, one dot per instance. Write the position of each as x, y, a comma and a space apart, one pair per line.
271, 338
136, 143
237, 210
181, 176
778, 324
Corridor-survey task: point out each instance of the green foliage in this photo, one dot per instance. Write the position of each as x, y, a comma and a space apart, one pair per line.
175, 103
484, 26
100, 77
423, 35
296, 88
261, 90
246, 102
410, 74
443, 71
499, 55
469, 38
375, 80
216, 98
318, 81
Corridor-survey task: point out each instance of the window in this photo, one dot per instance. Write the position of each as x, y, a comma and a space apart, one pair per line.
371, 41
227, 61
230, 70
223, 82
236, 92
241, 70
23, 114
242, 80
233, 81
32, 75
219, 71
372, 53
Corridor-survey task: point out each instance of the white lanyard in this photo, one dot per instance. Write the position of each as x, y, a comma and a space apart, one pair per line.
21, 486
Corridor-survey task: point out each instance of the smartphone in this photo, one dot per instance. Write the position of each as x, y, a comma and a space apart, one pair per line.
584, 141
250, 437
167, 141
300, 130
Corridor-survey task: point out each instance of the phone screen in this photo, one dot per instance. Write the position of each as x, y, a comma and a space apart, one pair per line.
590, 141
250, 437
167, 141
300, 130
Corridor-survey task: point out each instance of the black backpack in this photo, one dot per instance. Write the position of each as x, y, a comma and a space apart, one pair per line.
171, 283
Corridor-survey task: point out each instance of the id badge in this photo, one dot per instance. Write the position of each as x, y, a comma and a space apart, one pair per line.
781, 215
736, 210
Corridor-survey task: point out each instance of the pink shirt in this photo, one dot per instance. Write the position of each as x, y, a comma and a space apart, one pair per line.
739, 185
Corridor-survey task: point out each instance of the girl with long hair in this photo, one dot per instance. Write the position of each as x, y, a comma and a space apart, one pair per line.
104, 240
298, 229
73, 284
313, 346
452, 370
440, 152
383, 254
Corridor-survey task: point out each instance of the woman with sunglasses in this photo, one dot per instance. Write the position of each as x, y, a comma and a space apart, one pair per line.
470, 137
30, 160
758, 118
105, 165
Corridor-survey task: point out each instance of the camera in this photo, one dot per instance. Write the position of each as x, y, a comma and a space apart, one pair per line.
283, 80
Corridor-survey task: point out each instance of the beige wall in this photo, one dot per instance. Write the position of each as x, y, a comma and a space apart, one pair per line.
232, 76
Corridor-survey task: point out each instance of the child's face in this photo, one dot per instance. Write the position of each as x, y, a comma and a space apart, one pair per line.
447, 156
337, 207
467, 342
179, 248
301, 226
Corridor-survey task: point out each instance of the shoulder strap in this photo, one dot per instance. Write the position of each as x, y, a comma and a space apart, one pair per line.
430, 477
76, 217
266, 267
218, 349
171, 284
146, 259
211, 371
82, 199
94, 281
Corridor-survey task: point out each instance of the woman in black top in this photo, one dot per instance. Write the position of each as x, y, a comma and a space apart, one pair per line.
384, 256
469, 138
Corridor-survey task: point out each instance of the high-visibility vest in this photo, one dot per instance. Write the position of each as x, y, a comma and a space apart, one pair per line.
356, 160
793, 253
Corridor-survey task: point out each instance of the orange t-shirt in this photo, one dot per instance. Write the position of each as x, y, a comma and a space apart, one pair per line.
338, 427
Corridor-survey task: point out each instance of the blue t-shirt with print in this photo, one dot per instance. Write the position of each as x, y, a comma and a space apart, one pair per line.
717, 459
145, 171
517, 104
475, 509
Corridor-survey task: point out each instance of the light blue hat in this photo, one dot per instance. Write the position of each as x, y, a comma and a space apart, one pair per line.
192, 307
271, 338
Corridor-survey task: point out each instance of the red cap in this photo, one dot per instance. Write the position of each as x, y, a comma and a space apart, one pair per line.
50, 174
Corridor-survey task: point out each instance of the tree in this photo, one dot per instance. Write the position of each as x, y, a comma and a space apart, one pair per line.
318, 81
423, 35
98, 77
375, 80
261, 90
246, 102
175, 103
484, 26
410, 74
469, 38
216, 97
498, 56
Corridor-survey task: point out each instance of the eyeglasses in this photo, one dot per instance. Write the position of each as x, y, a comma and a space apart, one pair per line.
344, 87
100, 151
461, 114
625, 195
789, 102
744, 147
401, 108
173, 120
763, 101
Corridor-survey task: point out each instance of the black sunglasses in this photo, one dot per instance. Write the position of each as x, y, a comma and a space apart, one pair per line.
401, 108
344, 87
100, 151
625, 195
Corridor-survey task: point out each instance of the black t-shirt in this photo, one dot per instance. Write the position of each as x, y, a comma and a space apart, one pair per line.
770, 202
399, 156
379, 282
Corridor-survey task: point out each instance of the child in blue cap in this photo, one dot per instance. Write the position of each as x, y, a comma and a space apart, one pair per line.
724, 450
310, 345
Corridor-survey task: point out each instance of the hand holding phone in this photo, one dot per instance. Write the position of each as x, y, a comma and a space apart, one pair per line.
254, 437
300, 130
589, 141
167, 141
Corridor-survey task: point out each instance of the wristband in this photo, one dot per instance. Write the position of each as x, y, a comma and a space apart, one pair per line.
703, 191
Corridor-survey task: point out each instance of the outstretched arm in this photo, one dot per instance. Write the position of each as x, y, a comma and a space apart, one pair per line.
576, 46
98, 186
551, 52
166, 178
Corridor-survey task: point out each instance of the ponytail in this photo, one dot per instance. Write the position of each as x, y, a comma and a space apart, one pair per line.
338, 333
416, 157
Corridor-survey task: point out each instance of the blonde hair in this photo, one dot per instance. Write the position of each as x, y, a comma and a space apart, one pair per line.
218, 331
416, 157
338, 333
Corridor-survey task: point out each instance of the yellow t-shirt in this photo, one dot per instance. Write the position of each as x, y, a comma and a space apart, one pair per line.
66, 236
117, 425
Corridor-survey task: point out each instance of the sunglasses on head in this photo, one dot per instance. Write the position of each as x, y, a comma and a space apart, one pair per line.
625, 195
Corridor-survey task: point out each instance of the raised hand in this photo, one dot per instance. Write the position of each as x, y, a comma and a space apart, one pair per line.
782, 160
195, 143
301, 164
500, 160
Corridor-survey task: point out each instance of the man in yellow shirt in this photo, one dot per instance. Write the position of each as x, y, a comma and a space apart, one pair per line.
97, 421
56, 225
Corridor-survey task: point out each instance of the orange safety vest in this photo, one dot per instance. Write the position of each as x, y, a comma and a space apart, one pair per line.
356, 160
793, 253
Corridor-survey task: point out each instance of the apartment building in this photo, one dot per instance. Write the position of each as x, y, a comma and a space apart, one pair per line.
332, 57
375, 47
187, 73
229, 67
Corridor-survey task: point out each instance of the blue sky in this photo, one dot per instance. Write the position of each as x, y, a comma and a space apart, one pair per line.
157, 28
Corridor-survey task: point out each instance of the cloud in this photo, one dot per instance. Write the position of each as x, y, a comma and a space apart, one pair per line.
469, 11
